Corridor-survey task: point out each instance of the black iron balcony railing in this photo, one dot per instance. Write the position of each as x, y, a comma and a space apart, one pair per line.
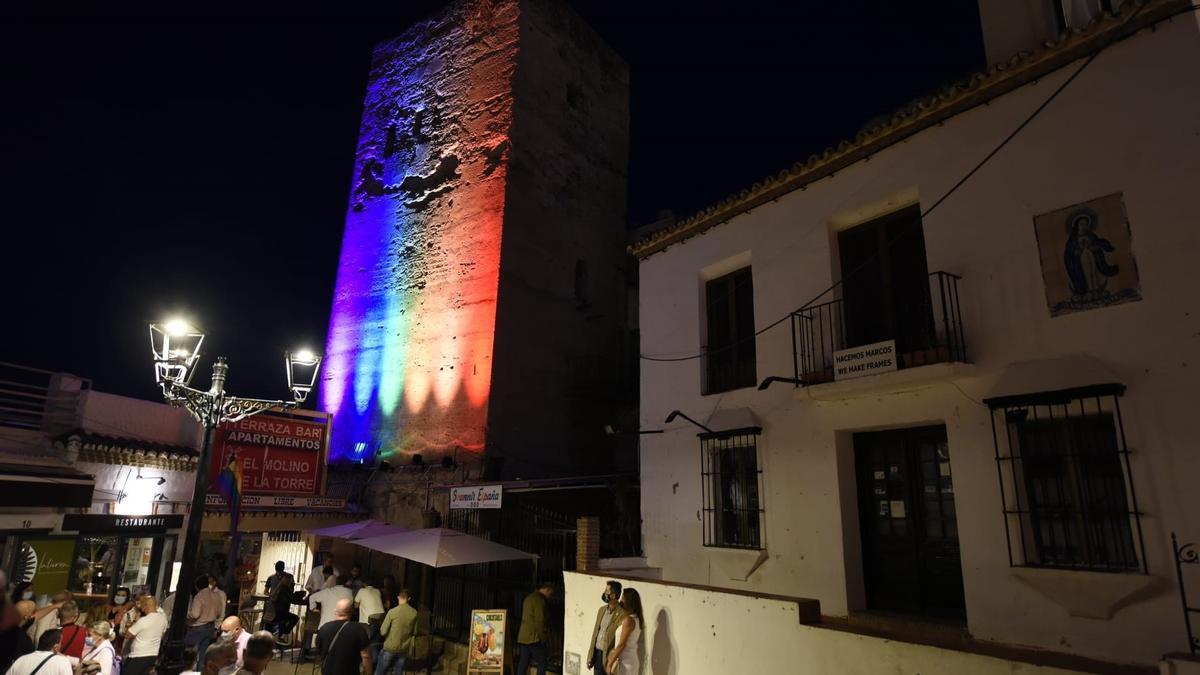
927, 328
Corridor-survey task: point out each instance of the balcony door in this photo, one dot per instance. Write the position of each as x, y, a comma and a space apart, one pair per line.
885, 282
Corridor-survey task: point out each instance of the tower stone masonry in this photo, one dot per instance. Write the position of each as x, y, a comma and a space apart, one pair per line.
482, 263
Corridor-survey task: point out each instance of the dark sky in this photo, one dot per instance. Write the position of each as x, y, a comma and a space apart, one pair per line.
157, 162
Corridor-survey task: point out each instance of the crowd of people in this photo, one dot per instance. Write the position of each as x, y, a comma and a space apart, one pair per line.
364, 625
125, 635
356, 625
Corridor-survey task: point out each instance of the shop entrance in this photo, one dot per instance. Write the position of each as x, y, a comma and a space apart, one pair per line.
908, 523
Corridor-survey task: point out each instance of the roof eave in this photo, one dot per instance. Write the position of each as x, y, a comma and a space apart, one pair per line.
978, 89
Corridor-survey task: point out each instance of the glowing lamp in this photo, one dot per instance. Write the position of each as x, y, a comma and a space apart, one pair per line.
176, 346
302, 370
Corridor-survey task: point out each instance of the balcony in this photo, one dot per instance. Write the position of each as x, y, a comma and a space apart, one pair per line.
927, 328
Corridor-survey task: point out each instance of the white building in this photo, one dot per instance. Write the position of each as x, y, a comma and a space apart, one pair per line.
1004, 465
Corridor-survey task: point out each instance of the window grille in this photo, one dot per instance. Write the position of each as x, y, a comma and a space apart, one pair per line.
729, 314
1066, 486
731, 480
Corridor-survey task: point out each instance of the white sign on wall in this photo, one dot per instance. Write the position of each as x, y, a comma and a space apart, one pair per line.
871, 359
279, 501
476, 497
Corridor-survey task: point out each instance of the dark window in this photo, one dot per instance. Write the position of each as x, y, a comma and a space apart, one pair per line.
729, 302
730, 479
1064, 480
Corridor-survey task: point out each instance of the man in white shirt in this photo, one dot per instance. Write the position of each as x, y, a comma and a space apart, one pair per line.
46, 660
369, 602
146, 634
327, 600
46, 618
316, 578
231, 629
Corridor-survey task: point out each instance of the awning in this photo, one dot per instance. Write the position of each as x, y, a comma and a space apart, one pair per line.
1052, 381
36, 486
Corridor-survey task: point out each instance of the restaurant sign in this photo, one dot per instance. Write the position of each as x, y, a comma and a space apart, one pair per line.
277, 454
476, 497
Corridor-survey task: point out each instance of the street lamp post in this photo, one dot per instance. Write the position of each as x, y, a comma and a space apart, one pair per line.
176, 348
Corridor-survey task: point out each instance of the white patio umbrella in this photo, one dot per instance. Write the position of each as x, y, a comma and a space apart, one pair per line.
345, 530
440, 547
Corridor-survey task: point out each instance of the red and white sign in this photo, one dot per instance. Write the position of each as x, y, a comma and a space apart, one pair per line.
278, 455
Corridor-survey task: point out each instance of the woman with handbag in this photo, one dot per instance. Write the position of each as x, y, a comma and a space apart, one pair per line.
100, 657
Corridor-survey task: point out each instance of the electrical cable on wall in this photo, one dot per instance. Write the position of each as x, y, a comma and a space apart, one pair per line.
954, 188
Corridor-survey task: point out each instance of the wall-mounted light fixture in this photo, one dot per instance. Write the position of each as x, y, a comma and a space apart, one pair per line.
777, 378
676, 413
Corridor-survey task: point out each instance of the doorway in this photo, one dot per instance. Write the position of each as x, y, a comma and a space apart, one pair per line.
908, 523
885, 282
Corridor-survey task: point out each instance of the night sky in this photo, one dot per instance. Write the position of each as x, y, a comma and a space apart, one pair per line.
155, 163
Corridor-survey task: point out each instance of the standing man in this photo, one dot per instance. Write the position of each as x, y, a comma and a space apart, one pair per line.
531, 639
316, 578
329, 599
343, 643
46, 660
14, 641
260, 648
231, 630
605, 632
205, 610
146, 634
356, 582
369, 602
399, 628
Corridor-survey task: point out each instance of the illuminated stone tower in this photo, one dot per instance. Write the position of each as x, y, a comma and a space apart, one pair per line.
482, 263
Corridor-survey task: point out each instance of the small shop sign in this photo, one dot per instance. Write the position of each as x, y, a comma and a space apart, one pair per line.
872, 359
476, 497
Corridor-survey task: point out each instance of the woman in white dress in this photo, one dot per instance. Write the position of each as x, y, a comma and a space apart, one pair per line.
626, 658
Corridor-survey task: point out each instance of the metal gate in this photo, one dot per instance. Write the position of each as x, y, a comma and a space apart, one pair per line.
504, 585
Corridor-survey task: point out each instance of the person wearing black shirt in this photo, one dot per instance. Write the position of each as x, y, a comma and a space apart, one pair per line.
343, 643
14, 640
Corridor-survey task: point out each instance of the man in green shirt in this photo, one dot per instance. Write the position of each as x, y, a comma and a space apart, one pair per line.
531, 640
398, 630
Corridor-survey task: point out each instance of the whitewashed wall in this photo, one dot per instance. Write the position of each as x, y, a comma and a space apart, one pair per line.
1130, 124
700, 632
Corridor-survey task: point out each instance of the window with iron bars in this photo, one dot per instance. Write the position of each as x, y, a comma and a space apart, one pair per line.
1066, 485
731, 480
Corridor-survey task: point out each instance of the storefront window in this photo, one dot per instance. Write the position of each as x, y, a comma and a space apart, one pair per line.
135, 571
95, 571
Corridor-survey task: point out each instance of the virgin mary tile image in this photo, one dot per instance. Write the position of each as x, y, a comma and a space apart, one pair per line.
1087, 256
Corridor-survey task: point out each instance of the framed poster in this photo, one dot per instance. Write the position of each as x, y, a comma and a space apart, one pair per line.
486, 655
1086, 252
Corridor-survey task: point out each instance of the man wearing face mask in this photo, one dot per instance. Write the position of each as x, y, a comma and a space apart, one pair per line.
231, 630
604, 633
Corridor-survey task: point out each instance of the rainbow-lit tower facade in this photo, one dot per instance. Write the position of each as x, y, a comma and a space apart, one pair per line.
481, 264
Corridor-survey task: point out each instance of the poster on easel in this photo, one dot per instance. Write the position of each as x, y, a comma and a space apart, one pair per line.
486, 656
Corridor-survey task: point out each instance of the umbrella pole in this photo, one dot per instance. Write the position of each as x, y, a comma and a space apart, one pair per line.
432, 600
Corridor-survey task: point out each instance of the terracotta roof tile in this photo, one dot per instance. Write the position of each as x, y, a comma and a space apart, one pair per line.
921, 114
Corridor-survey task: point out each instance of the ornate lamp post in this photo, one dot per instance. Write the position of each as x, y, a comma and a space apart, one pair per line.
176, 348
